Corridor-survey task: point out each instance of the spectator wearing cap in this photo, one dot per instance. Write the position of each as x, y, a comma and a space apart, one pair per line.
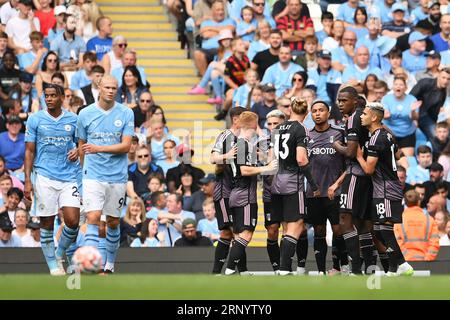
185, 154
266, 58
102, 43
191, 237
31, 61
33, 240
129, 59
325, 79
139, 172
432, 93
441, 39
58, 27
23, 93
294, 26
436, 178
383, 10
355, 74
8, 10
414, 59
207, 184
7, 240
9, 75
385, 46
280, 74
83, 77
434, 16
12, 144
267, 104
398, 26
19, 27
69, 46
46, 16
432, 64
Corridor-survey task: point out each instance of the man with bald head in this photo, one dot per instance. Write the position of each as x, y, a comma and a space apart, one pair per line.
356, 73
342, 56
104, 131
435, 204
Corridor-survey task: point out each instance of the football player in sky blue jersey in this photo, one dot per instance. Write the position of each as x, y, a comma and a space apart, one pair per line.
52, 155
104, 131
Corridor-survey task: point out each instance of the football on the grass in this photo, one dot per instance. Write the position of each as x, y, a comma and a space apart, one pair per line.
87, 260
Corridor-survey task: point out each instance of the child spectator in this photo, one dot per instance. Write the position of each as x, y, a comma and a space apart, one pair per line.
256, 95
440, 140
309, 59
148, 236
83, 77
31, 61
75, 104
247, 26
441, 218
242, 97
208, 226
155, 183
444, 160
420, 173
327, 22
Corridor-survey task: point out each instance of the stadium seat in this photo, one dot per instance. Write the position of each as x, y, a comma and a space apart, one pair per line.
316, 14
333, 8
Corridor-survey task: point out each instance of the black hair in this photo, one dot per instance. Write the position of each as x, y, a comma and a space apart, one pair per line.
59, 90
442, 185
363, 11
423, 149
15, 191
134, 70
98, 69
351, 90
44, 63
153, 110
155, 197
304, 75
236, 112
144, 230
327, 15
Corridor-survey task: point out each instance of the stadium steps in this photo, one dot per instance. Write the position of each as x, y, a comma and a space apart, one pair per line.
150, 31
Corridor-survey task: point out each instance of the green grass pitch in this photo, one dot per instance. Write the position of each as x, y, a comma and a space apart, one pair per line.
207, 287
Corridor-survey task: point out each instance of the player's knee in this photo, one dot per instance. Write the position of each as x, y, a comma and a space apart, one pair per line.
226, 234
113, 223
46, 223
273, 232
320, 231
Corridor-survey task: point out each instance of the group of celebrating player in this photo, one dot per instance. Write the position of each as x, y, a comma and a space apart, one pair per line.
302, 173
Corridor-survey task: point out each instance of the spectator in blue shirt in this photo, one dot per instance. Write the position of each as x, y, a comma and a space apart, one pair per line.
246, 27
327, 22
129, 59
346, 11
242, 95
414, 59
23, 93
400, 114
360, 23
209, 31
69, 46
441, 39
102, 43
382, 9
420, 173
208, 226
148, 236
280, 74
398, 26
82, 77
31, 61
342, 56
12, 144
355, 74
420, 12
7, 240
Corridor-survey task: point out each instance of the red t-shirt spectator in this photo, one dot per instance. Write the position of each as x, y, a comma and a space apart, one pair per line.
286, 23
46, 19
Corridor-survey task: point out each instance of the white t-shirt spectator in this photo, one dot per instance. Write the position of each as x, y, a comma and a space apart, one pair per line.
444, 241
19, 30
29, 242
7, 12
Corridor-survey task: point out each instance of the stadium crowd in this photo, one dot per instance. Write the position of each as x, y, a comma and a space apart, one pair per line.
252, 54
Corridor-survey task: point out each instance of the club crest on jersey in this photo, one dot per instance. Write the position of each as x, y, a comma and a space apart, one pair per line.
68, 127
118, 123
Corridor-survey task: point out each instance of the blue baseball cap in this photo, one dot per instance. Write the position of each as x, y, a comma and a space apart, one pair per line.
416, 36
398, 7
385, 44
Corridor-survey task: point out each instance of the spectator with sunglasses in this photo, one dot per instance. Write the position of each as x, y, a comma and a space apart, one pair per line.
114, 58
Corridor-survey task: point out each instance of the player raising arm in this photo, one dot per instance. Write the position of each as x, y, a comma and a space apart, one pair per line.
104, 131
52, 156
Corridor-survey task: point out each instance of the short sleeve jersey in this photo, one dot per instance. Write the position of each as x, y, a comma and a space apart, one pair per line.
326, 164
105, 128
286, 138
386, 184
354, 131
224, 142
54, 138
244, 187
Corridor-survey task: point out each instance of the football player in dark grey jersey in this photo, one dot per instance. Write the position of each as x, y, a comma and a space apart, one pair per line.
222, 153
243, 194
387, 207
328, 170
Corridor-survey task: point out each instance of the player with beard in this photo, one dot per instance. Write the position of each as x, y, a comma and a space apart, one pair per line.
328, 169
354, 208
243, 195
387, 208
222, 153
289, 143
